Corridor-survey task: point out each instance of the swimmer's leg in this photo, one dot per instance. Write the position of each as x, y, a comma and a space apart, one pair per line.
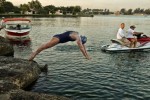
54, 41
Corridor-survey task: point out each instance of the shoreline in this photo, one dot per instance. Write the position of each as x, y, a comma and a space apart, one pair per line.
42, 15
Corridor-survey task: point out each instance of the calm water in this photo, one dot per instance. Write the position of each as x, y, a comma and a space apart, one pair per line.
118, 76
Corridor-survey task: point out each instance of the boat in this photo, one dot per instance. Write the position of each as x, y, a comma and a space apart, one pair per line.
17, 29
117, 46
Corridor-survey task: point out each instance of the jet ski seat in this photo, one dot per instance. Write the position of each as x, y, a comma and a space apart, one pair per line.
117, 41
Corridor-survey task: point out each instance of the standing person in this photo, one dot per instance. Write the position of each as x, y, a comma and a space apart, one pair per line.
132, 36
63, 38
121, 35
2, 23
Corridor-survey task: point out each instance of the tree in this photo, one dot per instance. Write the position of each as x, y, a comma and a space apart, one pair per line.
142, 11
17, 9
147, 11
24, 8
76, 9
2, 2
35, 5
2, 6
8, 7
137, 10
63, 9
123, 11
129, 12
50, 8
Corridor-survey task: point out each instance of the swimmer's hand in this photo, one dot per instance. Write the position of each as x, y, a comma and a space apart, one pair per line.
89, 58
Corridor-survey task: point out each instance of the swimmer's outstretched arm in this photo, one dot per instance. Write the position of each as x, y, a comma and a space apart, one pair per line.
83, 49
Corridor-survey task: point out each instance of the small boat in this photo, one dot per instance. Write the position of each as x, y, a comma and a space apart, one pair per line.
117, 46
17, 29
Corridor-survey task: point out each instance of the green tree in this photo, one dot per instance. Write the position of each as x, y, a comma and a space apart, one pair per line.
8, 7
2, 6
147, 11
129, 12
142, 11
63, 9
76, 10
24, 8
2, 2
50, 8
35, 5
137, 10
17, 9
123, 11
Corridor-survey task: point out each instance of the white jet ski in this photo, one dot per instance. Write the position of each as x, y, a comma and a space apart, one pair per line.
117, 45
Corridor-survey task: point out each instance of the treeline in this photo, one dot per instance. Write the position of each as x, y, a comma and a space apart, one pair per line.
36, 7
134, 11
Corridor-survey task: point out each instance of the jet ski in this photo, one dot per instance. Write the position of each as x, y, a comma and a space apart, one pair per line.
117, 45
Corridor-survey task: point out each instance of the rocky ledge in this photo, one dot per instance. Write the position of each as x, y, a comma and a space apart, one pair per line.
16, 74
6, 49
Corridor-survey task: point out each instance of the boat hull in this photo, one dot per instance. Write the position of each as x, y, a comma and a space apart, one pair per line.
17, 35
17, 29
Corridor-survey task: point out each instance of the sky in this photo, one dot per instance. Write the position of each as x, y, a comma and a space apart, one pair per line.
112, 5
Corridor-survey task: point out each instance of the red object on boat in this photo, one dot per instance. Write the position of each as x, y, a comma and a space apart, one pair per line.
144, 39
15, 19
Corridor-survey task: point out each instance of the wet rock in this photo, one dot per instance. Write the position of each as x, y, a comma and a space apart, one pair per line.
15, 75
18, 72
23, 95
6, 49
44, 68
6, 86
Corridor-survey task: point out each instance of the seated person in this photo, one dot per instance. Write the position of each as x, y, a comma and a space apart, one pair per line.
132, 36
18, 27
121, 36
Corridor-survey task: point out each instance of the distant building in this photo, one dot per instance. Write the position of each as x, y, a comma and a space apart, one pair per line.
97, 11
117, 13
58, 12
31, 11
87, 11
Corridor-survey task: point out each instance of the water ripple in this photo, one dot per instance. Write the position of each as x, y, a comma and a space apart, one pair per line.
114, 76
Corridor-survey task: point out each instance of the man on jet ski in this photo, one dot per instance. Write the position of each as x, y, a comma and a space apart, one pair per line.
132, 36
121, 35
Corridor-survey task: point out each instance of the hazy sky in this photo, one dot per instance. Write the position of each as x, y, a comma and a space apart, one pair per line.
100, 4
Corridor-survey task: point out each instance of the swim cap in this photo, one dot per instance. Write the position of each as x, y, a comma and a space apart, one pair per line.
83, 39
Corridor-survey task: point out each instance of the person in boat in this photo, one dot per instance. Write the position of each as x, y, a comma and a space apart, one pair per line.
63, 38
121, 35
18, 27
131, 36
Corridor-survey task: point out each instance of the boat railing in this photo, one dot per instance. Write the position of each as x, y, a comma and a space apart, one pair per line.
17, 27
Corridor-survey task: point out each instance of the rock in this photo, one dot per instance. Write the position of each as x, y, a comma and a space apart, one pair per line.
23, 95
18, 72
44, 68
15, 75
6, 49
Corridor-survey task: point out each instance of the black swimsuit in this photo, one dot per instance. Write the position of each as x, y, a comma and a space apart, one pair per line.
64, 37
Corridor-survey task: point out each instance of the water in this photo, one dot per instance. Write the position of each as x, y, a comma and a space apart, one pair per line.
115, 76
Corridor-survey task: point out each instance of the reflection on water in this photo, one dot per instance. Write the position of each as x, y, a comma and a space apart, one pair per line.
115, 76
